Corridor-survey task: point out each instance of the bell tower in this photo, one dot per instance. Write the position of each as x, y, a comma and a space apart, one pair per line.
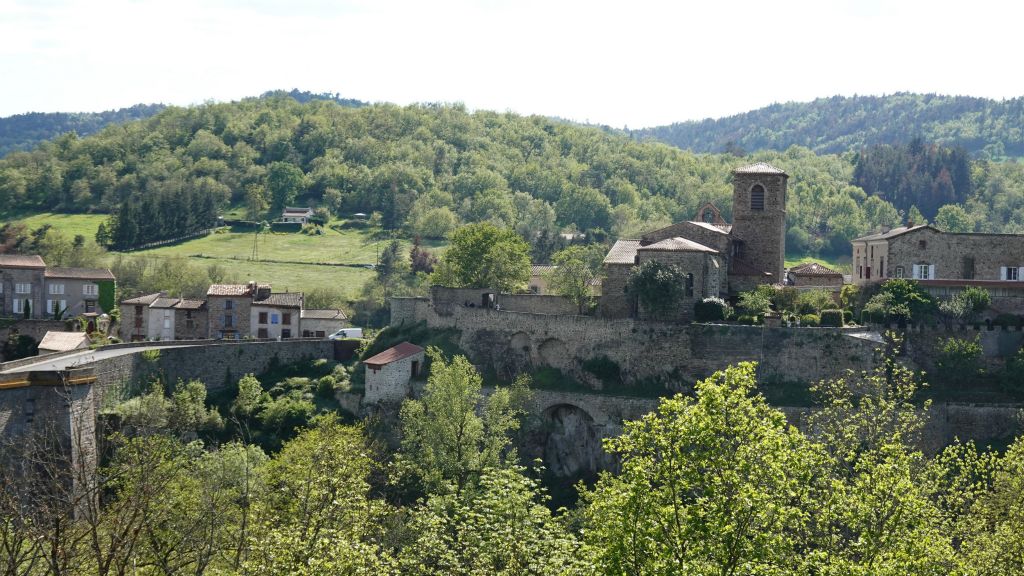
759, 217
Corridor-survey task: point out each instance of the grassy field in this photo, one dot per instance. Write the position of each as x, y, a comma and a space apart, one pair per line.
69, 224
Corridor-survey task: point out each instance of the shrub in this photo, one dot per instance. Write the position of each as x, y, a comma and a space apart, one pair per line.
710, 310
847, 317
959, 358
758, 300
833, 318
810, 320
814, 301
605, 369
748, 319
1012, 378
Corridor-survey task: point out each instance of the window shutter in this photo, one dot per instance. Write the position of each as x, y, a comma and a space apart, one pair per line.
931, 271
1002, 272
1020, 273
915, 271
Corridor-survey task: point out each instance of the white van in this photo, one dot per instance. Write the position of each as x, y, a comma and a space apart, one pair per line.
347, 333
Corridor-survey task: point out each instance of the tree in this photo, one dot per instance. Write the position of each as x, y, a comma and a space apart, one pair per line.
250, 398
576, 269
757, 301
659, 288
966, 304
452, 434
483, 255
953, 218
584, 207
716, 484
255, 202
284, 181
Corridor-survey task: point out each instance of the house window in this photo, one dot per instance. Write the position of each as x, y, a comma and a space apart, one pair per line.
757, 197
321, 334
55, 306
1009, 273
922, 244
22, 288
188, 314
286, 318
860, 271
263, 317
90, 306
689, 285
924, 271
19, 306
229, 304
709, 215
274, 318
286, 333
56, 288
138, 310
261, 333
899, 272
229, 321
90, 290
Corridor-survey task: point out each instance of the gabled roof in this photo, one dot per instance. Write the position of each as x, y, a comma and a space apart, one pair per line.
537, 270
893, 233
164, 303
79, 273
393, 354
623, 252
299, 211
281, 300
21, 261
677, 244
759, 168
184, 304
813, 269
64, 341
720, 228
324, 314
229, 290
145, 300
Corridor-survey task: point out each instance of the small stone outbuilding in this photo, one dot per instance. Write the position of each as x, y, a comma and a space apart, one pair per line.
54, 342
814, 274
388, 374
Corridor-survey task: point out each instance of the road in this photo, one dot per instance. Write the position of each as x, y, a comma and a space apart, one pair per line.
84, 357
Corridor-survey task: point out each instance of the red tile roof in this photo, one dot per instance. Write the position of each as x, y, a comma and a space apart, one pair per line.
21, 261
393, 354
759, 168
813, 269
229, 290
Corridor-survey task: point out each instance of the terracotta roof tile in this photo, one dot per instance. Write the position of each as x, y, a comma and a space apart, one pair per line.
145, 300
759, 168
229, 290
813, 269
281, 299
623, 252
63, 341
185, 304
324, 314
21, 261
393, 354
677, 244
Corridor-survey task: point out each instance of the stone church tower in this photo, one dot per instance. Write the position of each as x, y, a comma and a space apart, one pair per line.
759, 218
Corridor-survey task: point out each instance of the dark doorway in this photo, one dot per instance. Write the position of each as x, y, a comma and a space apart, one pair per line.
487, 300
415, 368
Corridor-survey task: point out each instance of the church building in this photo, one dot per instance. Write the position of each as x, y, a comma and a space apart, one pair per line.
717, 258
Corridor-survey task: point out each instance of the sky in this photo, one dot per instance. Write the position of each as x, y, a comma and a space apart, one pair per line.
630, 63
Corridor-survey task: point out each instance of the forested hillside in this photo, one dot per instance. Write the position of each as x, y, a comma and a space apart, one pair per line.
426, 169
25, 131
985, 128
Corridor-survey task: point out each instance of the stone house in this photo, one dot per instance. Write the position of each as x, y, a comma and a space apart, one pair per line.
299, 215
26, 283
717, 258
158, 317
319, 323
22, 285
539, 275
276, 316
945, 262
388, 374
812, 274
76, 291
230, 309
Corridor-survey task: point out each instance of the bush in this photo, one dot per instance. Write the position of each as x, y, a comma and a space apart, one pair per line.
710, 310
959, 359
1012, 378
847, 317
748, 319
605, 369
832, 318
810, 320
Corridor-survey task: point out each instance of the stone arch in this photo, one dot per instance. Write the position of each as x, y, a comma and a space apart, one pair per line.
553, 352
572, 442
520, 343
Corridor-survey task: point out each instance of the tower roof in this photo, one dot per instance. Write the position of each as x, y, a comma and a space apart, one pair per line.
759, 168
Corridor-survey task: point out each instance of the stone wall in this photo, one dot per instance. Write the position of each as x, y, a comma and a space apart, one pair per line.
510, 342
474, 298
947, 252
763, 232
391, 382
191, 324
34, 328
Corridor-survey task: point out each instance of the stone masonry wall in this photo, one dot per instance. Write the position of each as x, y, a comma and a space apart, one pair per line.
391, 382
763, 232
947, 252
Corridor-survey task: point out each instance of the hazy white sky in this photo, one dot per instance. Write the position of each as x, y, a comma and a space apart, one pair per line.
631, 62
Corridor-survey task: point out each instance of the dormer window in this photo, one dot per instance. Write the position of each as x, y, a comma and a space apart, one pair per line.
757, 197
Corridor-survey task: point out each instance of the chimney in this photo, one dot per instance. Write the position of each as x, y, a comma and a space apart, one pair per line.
252, 286
910, 223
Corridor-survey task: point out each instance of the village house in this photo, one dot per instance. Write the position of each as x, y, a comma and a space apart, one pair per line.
158, 317
277, 315
230, 309
813, 275
298, 215
54, 342
944, 263
388, 374
29, 288
320, 323
717, 258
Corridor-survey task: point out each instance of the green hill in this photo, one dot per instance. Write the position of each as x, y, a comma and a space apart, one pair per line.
993, 128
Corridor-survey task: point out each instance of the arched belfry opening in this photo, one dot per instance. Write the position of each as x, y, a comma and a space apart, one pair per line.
757, 197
